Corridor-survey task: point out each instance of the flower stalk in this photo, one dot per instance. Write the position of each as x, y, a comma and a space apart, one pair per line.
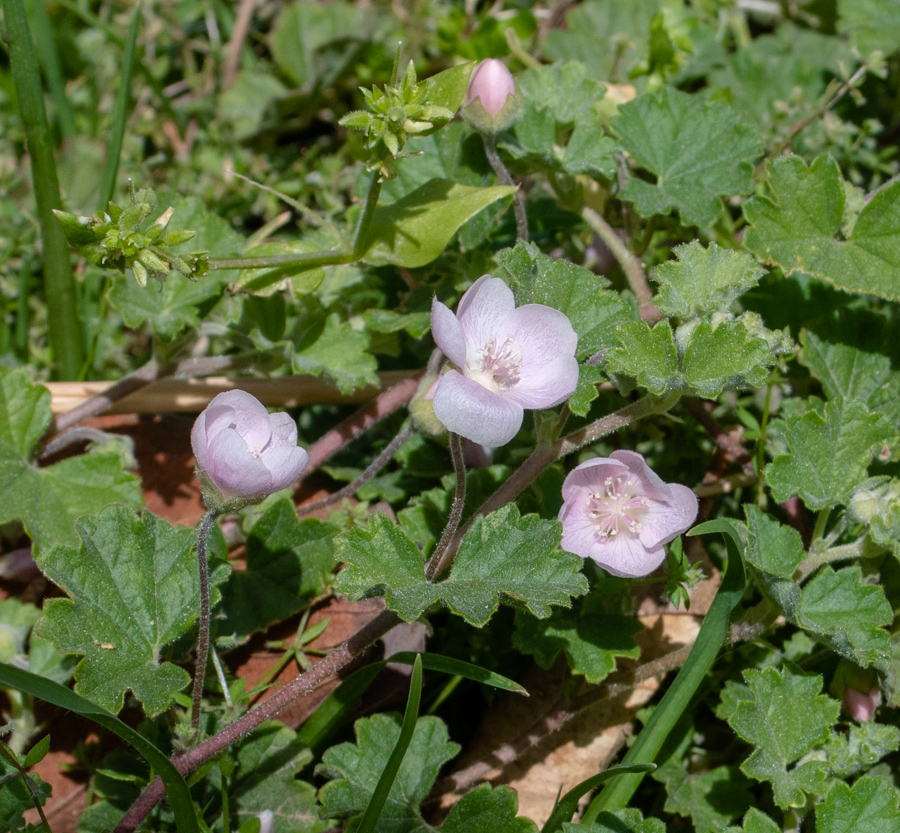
203, 532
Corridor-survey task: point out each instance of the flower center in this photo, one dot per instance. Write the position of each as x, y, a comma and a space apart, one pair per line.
617, 507
497, 367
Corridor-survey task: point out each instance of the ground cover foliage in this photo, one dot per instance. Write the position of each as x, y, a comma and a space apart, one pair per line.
707, 190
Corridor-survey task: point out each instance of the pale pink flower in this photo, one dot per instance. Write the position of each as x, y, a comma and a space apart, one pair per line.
244, 451
619, 513
861, 706
493, 83
511, 359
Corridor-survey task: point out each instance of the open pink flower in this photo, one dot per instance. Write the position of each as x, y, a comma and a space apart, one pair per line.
244, 451
511, 359
619, 513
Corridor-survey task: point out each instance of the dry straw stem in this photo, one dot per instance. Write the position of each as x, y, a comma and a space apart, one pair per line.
170, 395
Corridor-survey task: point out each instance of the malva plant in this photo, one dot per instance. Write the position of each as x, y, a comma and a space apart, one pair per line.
668, 231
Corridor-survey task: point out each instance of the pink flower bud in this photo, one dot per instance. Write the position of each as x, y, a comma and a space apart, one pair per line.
619, 513
243, 451
491, 101
493, 83
861, 706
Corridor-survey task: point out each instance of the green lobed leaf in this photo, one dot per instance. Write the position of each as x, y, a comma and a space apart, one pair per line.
535, 138
773, 553
848, 614
710, 799
755, 822
625, 28
48, 500
856, 356
872, 804
589, 376
700, 359
800, 226
288, 561
860, 747
133, 589
704, 280
829, 453
502, 556
695, 147
871, 24
488, 810
336, 350
785, 719
618, 821
354, 769
593, 308
415, 229
590, 637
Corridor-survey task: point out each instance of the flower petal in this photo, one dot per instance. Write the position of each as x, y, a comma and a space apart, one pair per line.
474, 412
448, 333
546, 386
543, 334
284, 430
232, 467
627, 557
285, 465
482, 311
586, 478
242, 411
665, 521
652, 484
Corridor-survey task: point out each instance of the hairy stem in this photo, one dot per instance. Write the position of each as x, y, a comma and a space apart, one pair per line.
341, 657
631, 266
443, 554
371, 470
382, 406
543, 456
490, 148
202, 656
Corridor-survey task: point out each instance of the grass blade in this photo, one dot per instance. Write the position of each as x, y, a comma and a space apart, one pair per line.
46, 44
66, 340
712, 635
120, 112
383, 789
51, 692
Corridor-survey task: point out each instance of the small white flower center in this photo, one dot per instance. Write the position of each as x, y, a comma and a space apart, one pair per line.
617, 507
496, 366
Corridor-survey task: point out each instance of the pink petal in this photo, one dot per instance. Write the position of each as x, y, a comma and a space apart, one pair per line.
283, 430
250, 417
547, 386
474, 412
285, 465
199, 440
482, 311
587, 477
234, 470
665, 521
627, 557
542, 333
651, 483
448, 333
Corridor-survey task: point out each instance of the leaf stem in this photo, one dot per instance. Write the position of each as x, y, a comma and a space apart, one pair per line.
202, 654
631, 266
503, 174
380, 461
443, 553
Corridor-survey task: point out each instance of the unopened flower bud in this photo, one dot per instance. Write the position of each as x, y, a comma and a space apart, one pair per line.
491, 101
861, 706
243, 452
266, 821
